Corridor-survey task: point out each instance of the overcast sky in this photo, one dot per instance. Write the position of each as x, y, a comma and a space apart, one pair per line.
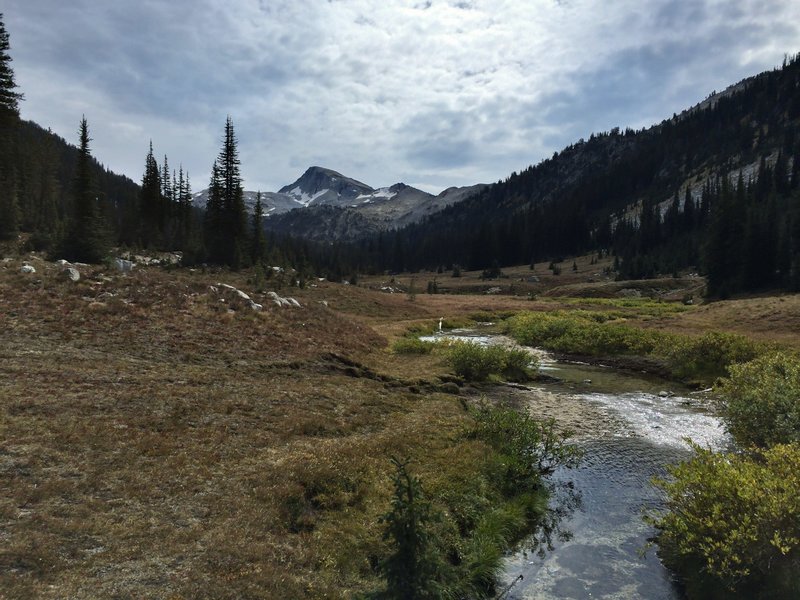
432, 93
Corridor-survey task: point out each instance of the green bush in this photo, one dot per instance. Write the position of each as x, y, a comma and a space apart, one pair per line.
704, 357
452, 544
479, 363
410, 345
582, 332
527, 449
710, 355
760, 401
732, 529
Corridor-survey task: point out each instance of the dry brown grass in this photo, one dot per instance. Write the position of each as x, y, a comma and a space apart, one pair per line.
155, 444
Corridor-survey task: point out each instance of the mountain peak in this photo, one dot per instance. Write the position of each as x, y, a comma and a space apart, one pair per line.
319, 185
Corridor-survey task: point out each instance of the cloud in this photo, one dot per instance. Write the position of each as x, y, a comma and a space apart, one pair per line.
437, 93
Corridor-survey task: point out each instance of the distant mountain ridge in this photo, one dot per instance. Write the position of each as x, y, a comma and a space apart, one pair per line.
324, 205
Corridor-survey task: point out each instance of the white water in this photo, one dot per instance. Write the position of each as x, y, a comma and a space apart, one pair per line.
607, 555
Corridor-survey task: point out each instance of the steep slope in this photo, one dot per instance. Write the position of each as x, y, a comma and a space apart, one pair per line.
592, 194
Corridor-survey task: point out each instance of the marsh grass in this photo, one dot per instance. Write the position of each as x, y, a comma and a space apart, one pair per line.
157, 443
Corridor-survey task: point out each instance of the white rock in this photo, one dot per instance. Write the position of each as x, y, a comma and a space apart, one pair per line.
27, 269
293, 302
123, 266
71, 273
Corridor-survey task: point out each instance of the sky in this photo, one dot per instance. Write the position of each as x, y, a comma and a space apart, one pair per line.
434, 93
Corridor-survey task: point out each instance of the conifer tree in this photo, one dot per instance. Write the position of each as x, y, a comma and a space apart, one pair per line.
9, 97
9, 116
226, 218
257, 236
411, 569
87, 240
150, 202
213, 218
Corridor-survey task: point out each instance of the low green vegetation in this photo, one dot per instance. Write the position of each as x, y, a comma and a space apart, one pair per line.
451, 544
474, 362
642, 307
708, 356
732, 527
412, 345
760, 401
603, 333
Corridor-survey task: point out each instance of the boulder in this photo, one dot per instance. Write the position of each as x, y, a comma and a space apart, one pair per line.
71, 273
236, 298
27, 269
123, 266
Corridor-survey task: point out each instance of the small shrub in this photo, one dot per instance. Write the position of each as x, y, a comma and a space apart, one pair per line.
414, 565
479, 363
582, 332
410, 345
760, 401
732, 528
710, 355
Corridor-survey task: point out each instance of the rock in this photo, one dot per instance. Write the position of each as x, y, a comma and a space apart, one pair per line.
279, 301
629, 293
71, 273
27, 269
665, 394
62, 263
123, 266
494, 290
449, 388
236, 298
587, 381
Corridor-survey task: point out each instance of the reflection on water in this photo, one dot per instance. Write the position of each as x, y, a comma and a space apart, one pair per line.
601, 503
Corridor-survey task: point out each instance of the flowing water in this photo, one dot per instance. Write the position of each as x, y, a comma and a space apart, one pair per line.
645, 421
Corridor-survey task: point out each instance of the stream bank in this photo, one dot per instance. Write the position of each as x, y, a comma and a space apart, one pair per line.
630, 426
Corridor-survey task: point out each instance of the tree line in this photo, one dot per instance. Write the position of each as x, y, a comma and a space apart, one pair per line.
681, 175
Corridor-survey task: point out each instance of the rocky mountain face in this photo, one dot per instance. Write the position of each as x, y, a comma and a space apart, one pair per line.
331, 206
319, 186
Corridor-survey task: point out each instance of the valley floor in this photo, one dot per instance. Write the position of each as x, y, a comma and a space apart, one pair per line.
157, 443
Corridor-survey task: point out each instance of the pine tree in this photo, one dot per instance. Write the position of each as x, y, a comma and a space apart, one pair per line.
257, 236
9, 205
9, 98
150, 202
226, 218
213, 219
9, 117
412, 567
87, 240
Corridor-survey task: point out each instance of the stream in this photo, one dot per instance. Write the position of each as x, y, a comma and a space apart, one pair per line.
630, 426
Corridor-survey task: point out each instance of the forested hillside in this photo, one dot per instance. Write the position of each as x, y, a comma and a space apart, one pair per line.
714, 188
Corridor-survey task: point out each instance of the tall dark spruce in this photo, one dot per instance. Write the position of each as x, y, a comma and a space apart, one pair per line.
10, 215
87, 239
226, 218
